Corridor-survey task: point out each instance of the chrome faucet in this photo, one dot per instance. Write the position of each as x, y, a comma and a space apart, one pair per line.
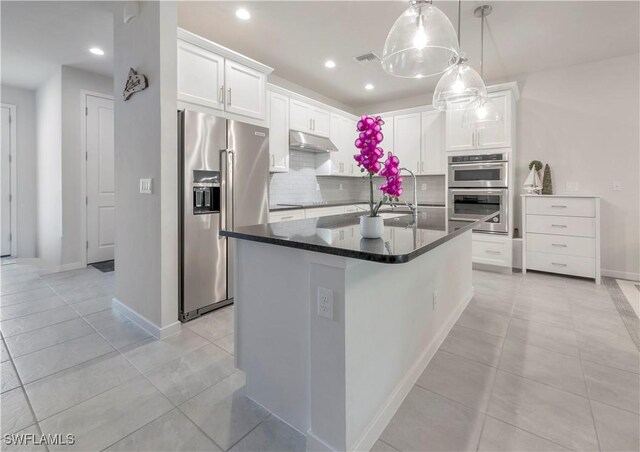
414, 206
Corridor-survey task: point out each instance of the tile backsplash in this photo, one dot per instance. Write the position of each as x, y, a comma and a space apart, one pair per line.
301, 185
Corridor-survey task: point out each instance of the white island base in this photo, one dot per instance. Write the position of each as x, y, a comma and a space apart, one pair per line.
339, 381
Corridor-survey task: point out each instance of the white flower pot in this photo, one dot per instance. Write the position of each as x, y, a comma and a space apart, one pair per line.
371, 227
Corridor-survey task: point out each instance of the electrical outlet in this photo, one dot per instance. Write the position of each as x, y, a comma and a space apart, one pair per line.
317, 187
617, 185
340, 186
572, 186
146, 186
325, 303
435, 299
423, 187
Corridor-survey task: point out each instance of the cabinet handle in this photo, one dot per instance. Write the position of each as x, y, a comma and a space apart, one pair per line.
418, 166
422, 166
221, 95
558, 264
229, 99
314, 125
558, 225
561, 245
310, 124
493, 252
287, 217
560, 207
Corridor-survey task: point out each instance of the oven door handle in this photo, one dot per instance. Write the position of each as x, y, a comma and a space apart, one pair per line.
474, 191
481, 165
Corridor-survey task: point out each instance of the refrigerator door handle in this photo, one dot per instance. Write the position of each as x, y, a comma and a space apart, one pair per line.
223, 185
230, 183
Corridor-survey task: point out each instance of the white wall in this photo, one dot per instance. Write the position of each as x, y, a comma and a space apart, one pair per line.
25, 160
584, 121
73, 82
49, 169
146, 146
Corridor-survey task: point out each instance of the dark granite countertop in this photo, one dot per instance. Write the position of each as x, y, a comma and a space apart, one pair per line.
340, 235
294, 206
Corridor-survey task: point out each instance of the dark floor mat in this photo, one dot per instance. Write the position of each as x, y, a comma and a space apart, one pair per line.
105, 266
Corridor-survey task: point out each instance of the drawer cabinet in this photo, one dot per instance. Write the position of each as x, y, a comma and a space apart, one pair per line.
491, 250
561, 234
287, 215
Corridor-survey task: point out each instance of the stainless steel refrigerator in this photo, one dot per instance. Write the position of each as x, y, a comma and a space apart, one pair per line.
224, 170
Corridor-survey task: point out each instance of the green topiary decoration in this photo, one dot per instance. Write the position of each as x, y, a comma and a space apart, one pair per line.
537, 164
547, 185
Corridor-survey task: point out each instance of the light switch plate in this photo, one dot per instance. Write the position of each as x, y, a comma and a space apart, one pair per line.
572, 186
617, 185
146, 186
325, 303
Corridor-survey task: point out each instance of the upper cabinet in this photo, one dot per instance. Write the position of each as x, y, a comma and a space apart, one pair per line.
406, 141
217, 78
308, 118
343, 135
278, 133
433, 158
460, 138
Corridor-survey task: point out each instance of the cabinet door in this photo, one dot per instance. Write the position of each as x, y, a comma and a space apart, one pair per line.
299, 116
433, 159
246, 90
348, 135
458, 138
278, 133
336, 159
500, 136
200, 76
407, 132
387, 132
321, 122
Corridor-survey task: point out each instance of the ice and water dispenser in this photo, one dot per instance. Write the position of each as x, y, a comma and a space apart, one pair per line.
206, 192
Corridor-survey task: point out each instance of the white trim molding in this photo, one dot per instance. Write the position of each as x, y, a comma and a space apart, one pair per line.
14, 177
631, 276
144, 323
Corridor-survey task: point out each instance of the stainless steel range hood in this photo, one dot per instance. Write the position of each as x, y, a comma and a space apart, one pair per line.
302, 141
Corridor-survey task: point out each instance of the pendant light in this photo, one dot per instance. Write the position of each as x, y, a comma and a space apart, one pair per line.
422, 42
459, 85
482, 113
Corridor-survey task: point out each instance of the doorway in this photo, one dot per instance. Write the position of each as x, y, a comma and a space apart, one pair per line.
100, 182
8, 182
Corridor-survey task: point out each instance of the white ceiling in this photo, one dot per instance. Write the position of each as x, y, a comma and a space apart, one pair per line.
296, 38
38, 37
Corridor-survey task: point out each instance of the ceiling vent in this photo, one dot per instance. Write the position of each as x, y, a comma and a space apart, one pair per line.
367, 58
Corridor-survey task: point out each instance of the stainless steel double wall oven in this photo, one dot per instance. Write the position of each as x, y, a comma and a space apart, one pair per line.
478, 186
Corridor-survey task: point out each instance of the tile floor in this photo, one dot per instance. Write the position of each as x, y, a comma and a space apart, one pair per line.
535, 363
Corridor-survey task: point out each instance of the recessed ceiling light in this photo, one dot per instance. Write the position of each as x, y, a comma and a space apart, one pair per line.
330, 64
368, 86
243, 14
96, 51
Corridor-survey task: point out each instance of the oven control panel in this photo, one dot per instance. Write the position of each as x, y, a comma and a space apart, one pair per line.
478, 158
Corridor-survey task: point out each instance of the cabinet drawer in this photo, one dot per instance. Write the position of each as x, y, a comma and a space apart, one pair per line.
568, 207
289, 215
556, 263
550, 224
561, 244
491, 252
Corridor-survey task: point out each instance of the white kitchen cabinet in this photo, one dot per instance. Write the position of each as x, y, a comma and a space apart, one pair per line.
277, 216
340, 162
433, 158
217, 78
278, 133
500, 136
308, 118
491, 249
460, 138
246, 90
200, 76
387, 132
407, 132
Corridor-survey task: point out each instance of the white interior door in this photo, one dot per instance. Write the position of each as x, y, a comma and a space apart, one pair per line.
5, 190
100, 180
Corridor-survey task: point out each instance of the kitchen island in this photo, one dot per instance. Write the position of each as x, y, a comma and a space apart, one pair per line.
333, 330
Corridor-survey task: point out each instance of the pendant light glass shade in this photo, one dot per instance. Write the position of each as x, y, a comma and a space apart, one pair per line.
457, 87
422, 42
481, 113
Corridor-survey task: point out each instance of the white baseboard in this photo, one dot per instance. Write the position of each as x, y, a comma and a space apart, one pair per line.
397, 396
144, 323
49, 269
621, 275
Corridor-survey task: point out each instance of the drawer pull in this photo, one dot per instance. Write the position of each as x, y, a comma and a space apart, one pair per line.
558, 225
287, 218
560, 207
492, 252
559, 244
558, 264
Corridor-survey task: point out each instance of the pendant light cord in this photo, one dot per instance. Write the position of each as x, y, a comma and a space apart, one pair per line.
459, 3
482, 47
